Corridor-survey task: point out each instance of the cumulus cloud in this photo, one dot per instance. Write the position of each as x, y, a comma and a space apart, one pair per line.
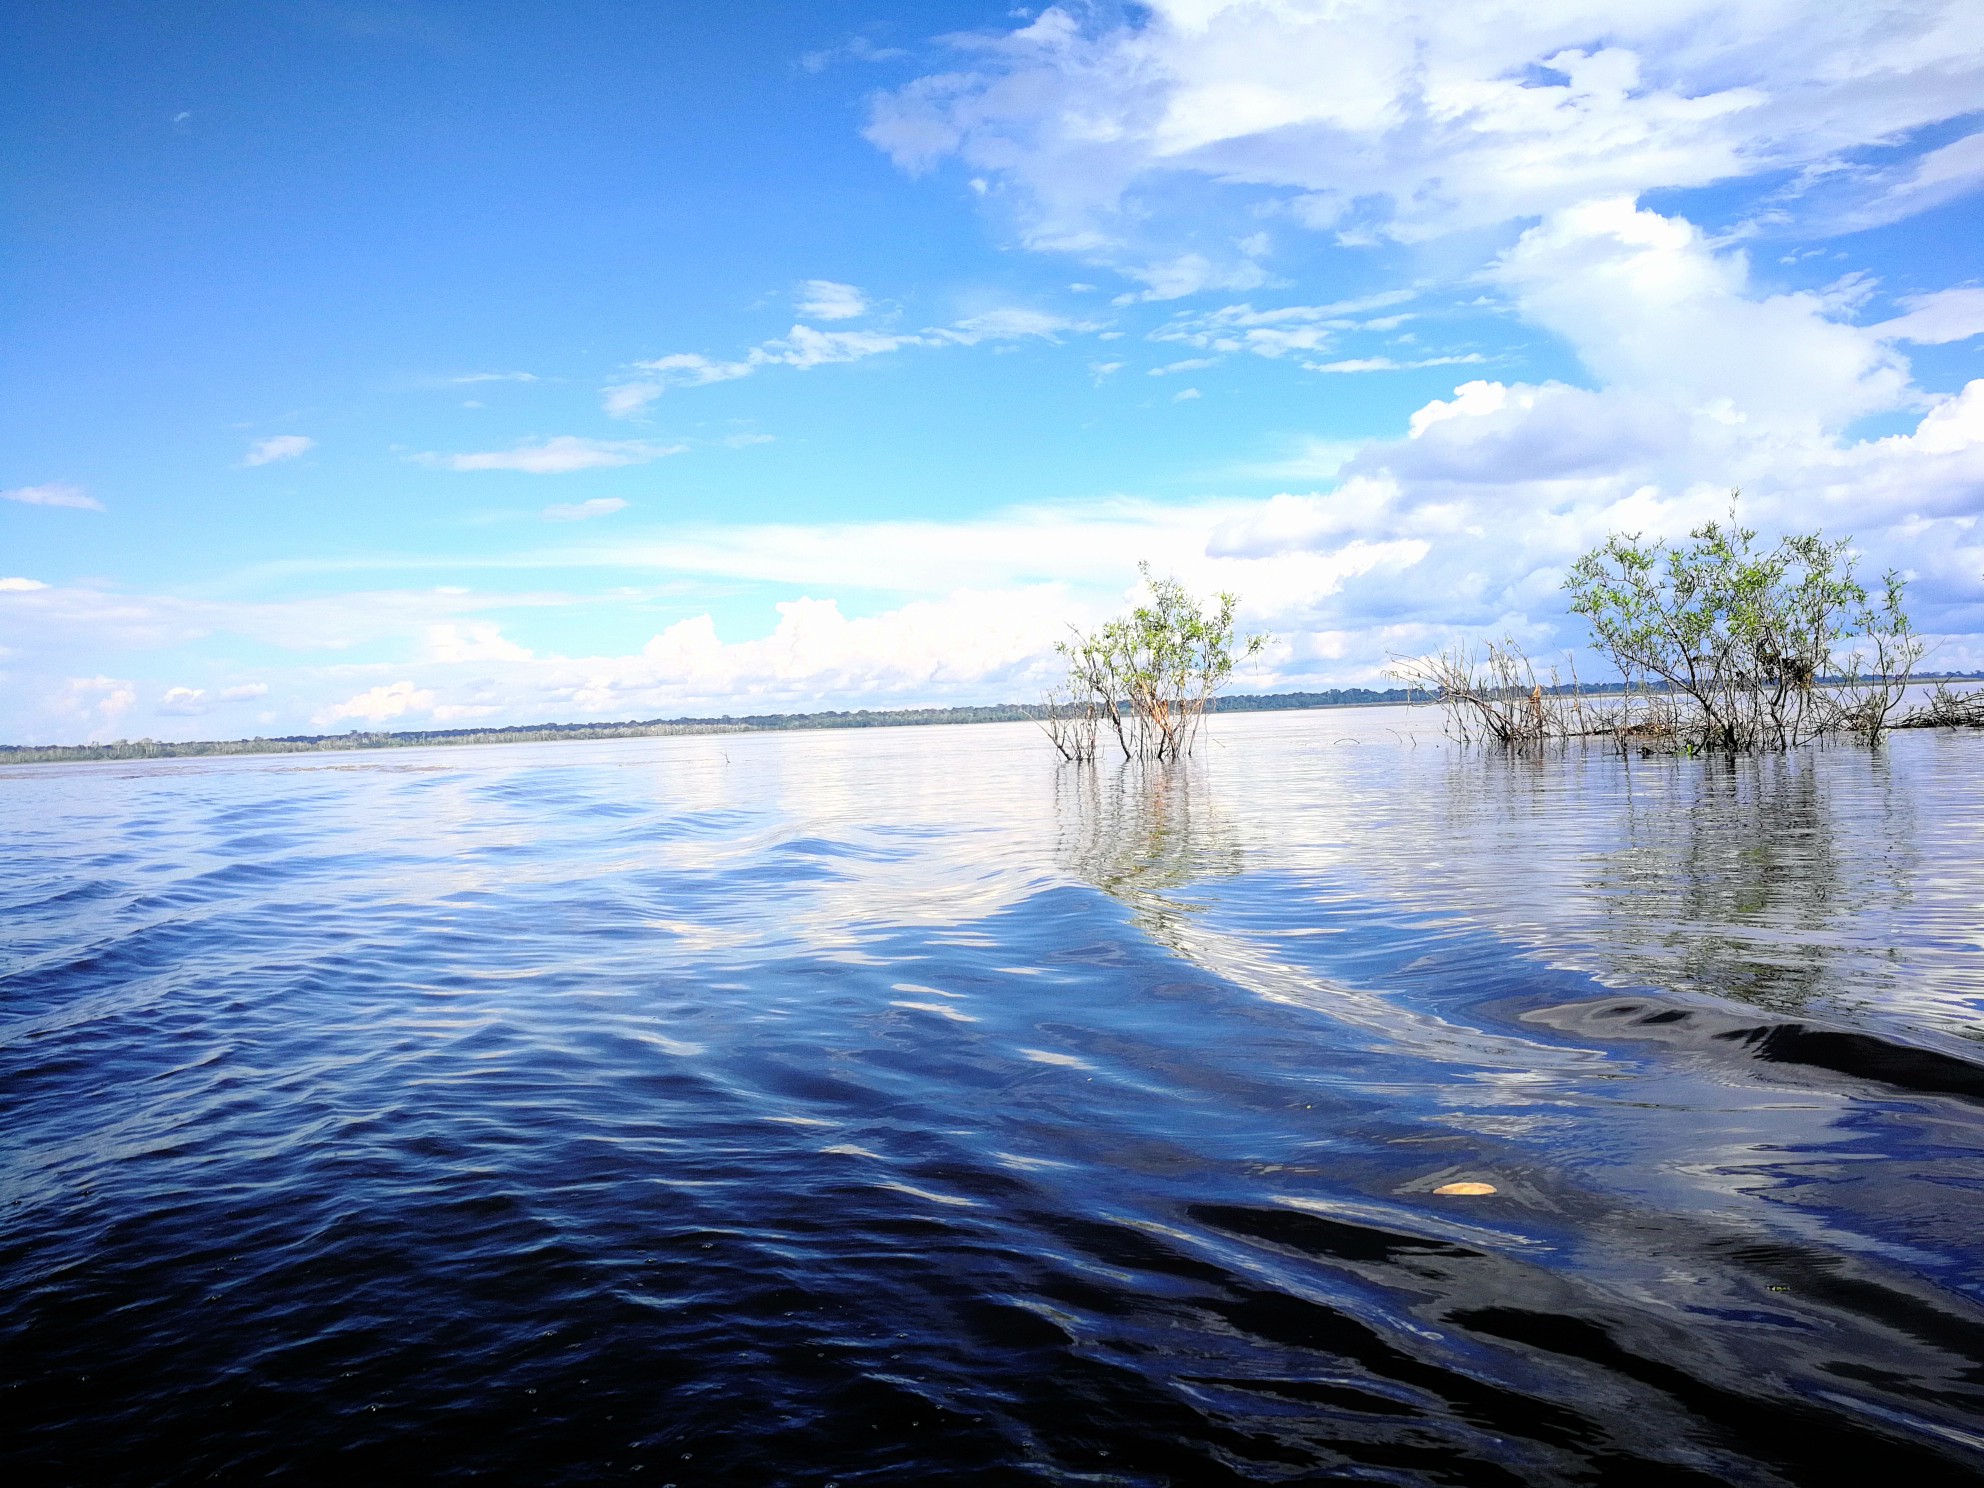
472, 640
278, 447
96, 703
1647, 303
1121, 135
1404, 119
558, 456
379, 704
57, 493
580, 511
825, 299
183, 700
20, 586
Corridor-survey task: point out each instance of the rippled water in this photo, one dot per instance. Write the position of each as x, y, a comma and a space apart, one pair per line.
900, 1108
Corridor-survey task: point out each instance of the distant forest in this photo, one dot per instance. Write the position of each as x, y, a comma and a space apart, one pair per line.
530, 733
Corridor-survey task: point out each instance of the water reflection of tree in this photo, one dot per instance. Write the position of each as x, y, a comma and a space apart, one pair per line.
1769, 879
1143, 830
1754, 878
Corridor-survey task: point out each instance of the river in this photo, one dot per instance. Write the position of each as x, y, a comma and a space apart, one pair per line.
903, 1106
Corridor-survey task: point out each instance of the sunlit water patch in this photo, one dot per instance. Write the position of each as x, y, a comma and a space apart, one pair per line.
899, 1107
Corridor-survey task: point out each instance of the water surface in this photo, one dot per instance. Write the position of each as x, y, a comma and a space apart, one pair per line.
898, 1107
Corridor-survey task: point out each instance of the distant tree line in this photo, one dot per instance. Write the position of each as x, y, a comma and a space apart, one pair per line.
136, 749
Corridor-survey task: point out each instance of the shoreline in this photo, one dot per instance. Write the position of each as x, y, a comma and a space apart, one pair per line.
758, 723
542, 733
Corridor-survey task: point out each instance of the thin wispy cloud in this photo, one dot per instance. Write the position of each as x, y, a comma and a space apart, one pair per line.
1392, 364
824, 299
581, 511
472, 377
805, 347
561, 455
1279, 331
278, 447
860, 49
57, 493
1937, 319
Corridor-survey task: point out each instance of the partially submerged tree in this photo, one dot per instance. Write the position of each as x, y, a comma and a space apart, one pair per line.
1722, 645
1147, 677
1740, 648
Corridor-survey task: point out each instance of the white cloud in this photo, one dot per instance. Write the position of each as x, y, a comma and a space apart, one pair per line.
1944, 175
1391, 364
579, 511
57, 493
379, 704
805, 347
97, 702
1184, 395
1011, 323
278, 447
184, 701
1700, 379
1936, 319
471, 377
1190, 274
825, 299
244, 692
559, 456
472, 640
860, 49
1275, 332
1647, 303
93, 620
20, 586
682, 369
1190, 364
1408, 118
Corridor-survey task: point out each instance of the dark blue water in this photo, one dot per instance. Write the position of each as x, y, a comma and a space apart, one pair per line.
901, 1108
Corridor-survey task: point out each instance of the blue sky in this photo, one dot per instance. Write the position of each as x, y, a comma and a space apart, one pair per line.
425, 364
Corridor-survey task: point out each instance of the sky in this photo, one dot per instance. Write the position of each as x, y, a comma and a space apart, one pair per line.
438, 363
